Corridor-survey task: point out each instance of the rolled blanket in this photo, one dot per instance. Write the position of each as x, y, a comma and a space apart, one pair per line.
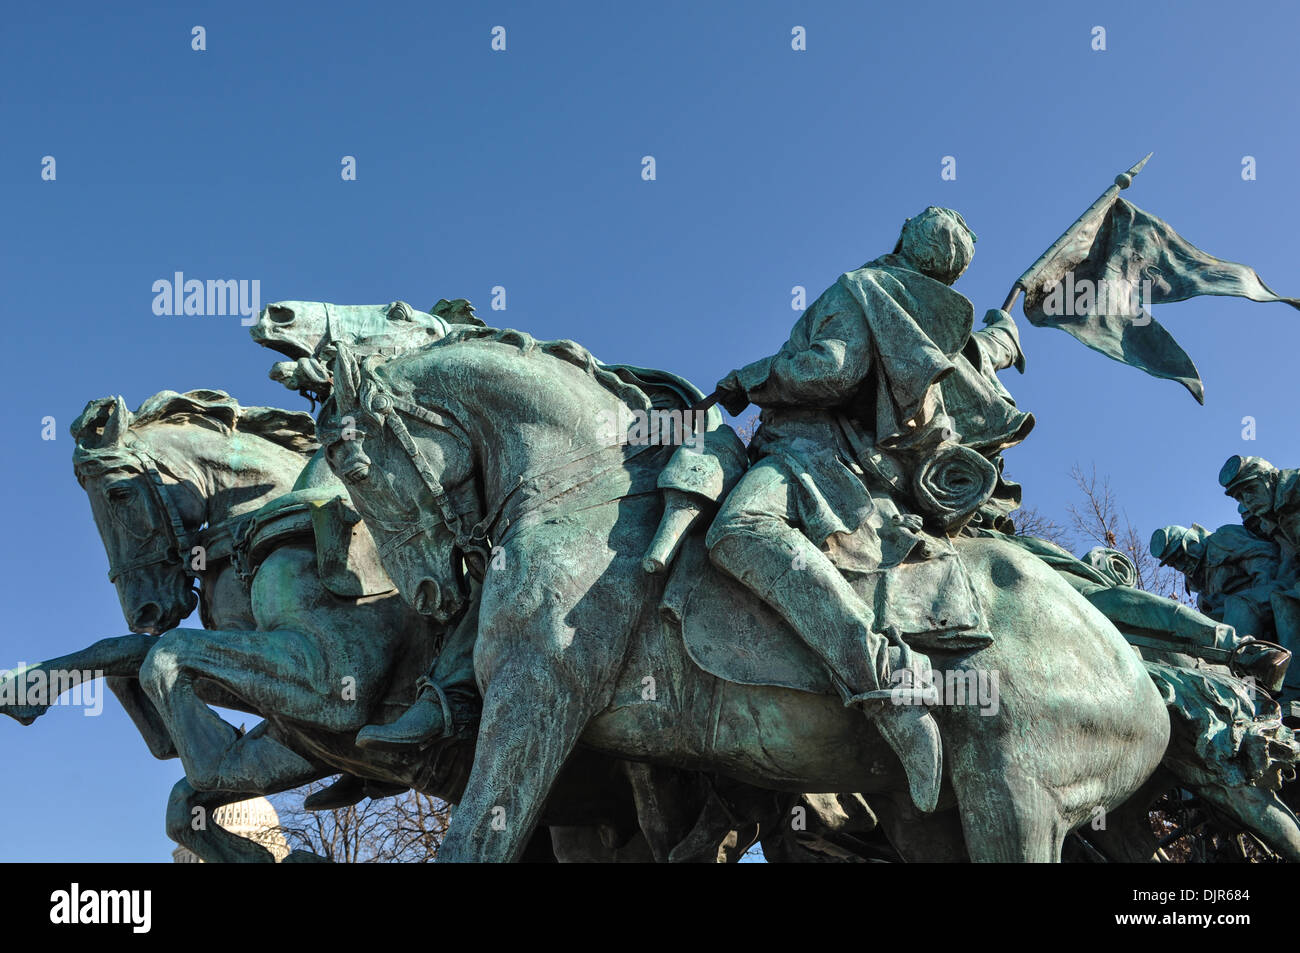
952, 483
1112, 564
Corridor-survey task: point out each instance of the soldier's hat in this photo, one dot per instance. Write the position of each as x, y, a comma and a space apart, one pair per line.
1239, 470
1169, 541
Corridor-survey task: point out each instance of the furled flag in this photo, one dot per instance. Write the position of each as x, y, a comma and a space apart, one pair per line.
1094, 280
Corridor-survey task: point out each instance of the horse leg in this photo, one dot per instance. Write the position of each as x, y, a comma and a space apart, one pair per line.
115, 657
530, 723
118, 660
143, 715
1006, 817
262, 668
1125, 834
554, 624
584, 845
921, 838
190, 813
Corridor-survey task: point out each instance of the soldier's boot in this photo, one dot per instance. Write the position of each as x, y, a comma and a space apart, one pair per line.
349, 790
446, 698
425, 721
1266, 662
344, 792
829, 616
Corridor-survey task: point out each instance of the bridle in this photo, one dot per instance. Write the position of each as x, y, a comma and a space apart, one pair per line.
387, 409
178, 542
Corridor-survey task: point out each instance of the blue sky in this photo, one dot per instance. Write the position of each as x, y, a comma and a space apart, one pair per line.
522, 169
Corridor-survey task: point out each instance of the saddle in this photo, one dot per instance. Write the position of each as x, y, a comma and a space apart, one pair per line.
346, 556
732, 634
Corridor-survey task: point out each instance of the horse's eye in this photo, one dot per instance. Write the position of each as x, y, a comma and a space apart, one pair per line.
119, 493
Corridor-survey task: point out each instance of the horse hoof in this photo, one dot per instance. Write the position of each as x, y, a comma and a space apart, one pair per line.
24, 714
305, 857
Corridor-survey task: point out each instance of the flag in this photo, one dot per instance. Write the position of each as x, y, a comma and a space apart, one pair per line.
1094, 286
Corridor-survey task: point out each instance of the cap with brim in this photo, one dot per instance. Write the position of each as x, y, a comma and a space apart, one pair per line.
1170, 541
1239, 470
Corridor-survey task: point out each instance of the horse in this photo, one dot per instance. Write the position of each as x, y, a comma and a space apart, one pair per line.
279, 642
493, 448
301, 329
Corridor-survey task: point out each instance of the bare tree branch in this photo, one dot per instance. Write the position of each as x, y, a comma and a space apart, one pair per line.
1030, 522
746, 430
408, 828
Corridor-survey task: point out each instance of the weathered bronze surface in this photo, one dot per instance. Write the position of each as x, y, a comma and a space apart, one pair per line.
565, 596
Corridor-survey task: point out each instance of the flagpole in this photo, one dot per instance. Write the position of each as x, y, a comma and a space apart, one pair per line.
1122, 181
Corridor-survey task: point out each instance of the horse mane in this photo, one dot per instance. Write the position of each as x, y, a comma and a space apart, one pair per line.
571, 352
101, 431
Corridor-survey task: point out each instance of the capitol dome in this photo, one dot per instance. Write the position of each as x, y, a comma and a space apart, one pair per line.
255, 819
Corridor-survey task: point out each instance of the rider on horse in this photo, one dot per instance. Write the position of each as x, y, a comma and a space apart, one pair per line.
885, 359
887, 351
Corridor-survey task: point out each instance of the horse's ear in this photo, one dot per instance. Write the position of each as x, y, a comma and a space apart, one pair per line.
103, 423
210, 406
288, 428
459, 311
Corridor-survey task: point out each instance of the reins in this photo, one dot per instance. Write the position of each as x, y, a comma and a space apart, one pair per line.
180, 541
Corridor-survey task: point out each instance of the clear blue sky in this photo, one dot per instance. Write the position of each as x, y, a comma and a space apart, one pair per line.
523, 169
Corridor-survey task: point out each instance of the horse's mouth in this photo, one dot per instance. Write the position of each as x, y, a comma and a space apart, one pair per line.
290, 348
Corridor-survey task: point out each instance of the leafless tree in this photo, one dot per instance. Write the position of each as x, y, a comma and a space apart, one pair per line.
408, 828
1098, 520
1030, 522
746, 430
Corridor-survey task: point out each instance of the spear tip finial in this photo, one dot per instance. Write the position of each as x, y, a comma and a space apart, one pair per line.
1125, 179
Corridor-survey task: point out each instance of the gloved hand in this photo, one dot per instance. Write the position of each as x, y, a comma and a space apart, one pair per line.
731, 394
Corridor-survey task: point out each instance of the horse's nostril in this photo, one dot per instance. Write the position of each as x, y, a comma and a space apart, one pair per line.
147, 617
279, 315
428, 597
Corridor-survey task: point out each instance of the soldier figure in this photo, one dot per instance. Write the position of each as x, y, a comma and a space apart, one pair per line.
1232, 571
1271, 498
886, 358
1268, 494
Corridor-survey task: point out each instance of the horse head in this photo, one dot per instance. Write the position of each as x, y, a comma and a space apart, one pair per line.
160, 478
300, 330
445, 447
414, 498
